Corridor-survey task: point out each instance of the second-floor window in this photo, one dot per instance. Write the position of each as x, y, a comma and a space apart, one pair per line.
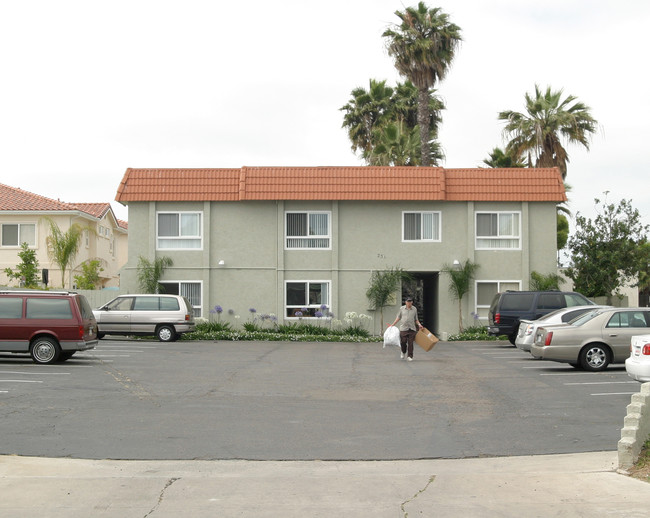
421, 226
307, 230
498, 230
179, 230
15, 234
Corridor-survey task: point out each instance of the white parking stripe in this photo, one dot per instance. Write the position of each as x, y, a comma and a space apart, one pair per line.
34, 373
20, 381
614, 394
603, 383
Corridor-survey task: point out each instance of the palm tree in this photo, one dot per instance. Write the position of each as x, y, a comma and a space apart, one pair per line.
371, 114
365, 110
499, 159
548, 121
461, 277
423, 46
62, 247
150, 272
382, 287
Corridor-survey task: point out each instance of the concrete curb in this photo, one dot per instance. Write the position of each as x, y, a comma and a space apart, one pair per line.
636, 428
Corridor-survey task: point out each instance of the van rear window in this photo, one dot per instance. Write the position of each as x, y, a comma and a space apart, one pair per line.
11, 307
56, 309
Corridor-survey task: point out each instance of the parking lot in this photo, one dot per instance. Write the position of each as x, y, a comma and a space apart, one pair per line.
300, 401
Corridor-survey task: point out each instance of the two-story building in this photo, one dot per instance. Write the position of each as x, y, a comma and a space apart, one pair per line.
288, 239
25, 218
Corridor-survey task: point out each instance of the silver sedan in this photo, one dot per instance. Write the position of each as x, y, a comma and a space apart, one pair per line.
527, 328
594, 340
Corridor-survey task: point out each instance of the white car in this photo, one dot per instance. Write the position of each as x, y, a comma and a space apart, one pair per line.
638, 364
526, 334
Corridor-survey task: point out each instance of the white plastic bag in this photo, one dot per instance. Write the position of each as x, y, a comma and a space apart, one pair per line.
391, 336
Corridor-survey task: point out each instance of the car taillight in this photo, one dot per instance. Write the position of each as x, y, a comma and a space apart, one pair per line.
81, 332
549, 336
646, 350
497, 318
187, 317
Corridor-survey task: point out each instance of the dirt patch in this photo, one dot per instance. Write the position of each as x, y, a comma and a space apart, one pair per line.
641, 469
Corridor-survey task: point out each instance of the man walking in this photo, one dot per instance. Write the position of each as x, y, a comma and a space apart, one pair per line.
407, 316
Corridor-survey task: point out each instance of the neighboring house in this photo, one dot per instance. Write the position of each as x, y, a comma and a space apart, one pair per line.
23, 218
289, 239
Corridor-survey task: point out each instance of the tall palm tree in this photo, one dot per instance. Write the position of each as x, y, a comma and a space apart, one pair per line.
499, 159
372, 114
365, 110
62, 247
548, 121
423, 46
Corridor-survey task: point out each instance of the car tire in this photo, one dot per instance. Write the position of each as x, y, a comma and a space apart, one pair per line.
576, 365
166, 333
595, 357
513, 337
100, 336
45, 350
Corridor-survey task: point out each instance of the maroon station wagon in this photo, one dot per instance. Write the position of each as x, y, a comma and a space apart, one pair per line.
48, 325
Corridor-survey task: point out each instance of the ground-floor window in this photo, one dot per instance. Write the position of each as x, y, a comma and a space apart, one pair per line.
191, 290
307, 298
485, 292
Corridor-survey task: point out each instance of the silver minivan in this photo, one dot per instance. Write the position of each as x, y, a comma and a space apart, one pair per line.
161, 315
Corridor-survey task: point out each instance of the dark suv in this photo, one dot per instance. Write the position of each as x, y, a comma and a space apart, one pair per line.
509, 307
48, 325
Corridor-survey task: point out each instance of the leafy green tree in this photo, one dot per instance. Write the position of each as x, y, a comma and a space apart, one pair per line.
27, 270
383, 285
548, 121
609, 250
541, 282
499, 159
89, 278
373, 117
461, 278
562, 231
423, 46
150, 272
62, 247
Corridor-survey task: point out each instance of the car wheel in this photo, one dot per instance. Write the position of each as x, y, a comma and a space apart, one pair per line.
512, 338
166, 334
100, 336
45, 350
595, 357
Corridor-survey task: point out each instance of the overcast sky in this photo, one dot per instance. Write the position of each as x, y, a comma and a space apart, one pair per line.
90, 88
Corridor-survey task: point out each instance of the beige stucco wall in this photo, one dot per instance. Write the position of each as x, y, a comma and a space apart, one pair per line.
95, 246
249, 238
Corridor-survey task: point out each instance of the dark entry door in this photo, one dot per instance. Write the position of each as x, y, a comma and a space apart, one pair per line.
424, 290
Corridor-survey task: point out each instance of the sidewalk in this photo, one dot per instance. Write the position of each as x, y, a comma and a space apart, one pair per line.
584, 484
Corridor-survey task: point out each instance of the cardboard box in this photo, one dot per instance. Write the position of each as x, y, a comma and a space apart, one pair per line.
425, 339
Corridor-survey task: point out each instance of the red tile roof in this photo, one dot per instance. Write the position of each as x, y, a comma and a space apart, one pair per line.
341, 183
15, 199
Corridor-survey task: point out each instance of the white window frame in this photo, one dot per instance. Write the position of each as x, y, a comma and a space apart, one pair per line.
437, 228
479, 309
20, 241
308, 213
198, 308
197, 238
315, 307
499, 237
